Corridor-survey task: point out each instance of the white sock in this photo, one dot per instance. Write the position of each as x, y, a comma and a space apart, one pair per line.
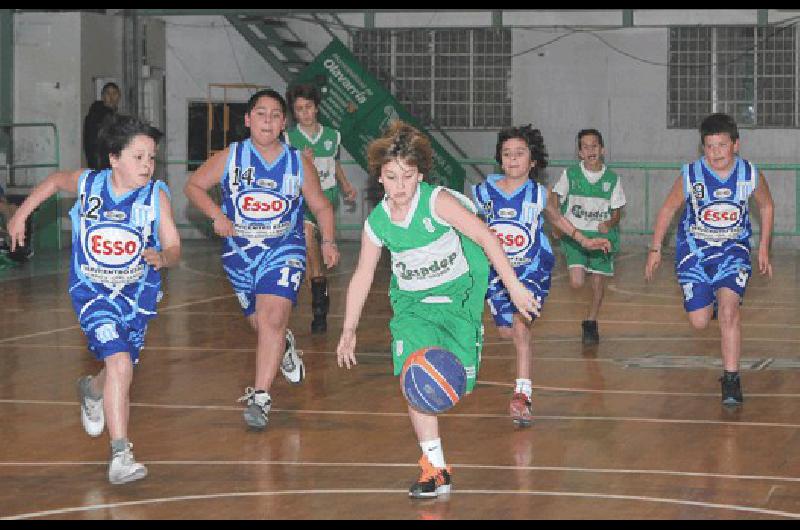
524, 386
433, 450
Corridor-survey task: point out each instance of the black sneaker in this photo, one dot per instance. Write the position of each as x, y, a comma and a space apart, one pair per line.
590, 333
731, 390
432, 482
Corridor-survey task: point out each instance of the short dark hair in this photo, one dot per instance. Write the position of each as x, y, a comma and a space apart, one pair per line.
535, 141
118, 130
306, 91
269, 93
589, 132
110, 84
718, 123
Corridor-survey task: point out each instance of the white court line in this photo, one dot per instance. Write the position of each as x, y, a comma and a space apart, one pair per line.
559, 469
405, 414
632, 392
614, 288
76, 326
180, 498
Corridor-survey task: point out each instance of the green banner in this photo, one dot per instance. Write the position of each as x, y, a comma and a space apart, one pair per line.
356, 104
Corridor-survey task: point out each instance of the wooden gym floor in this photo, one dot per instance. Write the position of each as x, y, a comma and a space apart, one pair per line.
632, 428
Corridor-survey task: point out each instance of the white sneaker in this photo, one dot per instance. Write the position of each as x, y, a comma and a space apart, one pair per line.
258, 406
124, 467
92, 415
292, 366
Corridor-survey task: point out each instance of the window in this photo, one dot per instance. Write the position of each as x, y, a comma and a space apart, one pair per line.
747, 72
459, 78
198, 133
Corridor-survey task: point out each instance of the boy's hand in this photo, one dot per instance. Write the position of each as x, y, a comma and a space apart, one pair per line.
16, 231
153, 257
345, 351
223, 226
653, 261
524, 300
597, 243
764, 265
349, 191
330, 253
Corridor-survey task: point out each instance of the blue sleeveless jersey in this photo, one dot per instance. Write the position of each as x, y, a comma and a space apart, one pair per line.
517, 221
265, 203
108, 236
717, 212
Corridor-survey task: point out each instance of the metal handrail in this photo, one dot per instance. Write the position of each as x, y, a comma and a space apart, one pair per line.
643, 166
56, 145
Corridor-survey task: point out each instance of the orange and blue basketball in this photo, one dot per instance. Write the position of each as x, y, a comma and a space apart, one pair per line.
433, 380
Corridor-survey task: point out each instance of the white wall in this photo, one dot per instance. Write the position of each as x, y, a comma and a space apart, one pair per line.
47, 88
202, 50
56, 57
576, 82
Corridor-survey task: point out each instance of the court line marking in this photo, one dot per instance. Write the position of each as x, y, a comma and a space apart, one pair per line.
484, 357
76, 326
405, 414
588, 470
614, 288
180, 498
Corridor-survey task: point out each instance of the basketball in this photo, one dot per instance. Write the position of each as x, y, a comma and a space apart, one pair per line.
433, 380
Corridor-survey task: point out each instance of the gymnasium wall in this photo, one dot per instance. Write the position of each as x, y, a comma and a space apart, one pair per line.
575, 82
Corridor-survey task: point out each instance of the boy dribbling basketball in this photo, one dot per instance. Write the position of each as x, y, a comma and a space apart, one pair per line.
439, 277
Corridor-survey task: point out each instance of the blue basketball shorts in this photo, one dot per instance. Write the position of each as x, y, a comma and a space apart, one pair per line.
275, 272
700, 278
500, 304
108, 332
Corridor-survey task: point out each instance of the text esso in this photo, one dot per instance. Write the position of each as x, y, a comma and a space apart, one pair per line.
514, 238
113, 246
261, 206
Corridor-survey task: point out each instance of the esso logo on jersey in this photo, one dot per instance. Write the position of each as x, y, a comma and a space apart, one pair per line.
514, 238
113, 246
720, 215
261, 205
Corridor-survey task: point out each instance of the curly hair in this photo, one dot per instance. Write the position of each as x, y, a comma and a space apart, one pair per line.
533, 139
400, 141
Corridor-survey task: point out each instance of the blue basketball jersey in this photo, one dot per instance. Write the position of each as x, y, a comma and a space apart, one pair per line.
517, 221
717, 212
265, 203
108, 236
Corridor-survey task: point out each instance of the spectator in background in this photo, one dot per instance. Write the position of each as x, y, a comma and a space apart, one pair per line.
96, 158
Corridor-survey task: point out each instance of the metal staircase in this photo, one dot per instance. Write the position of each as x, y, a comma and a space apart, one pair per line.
288, 54
275, 41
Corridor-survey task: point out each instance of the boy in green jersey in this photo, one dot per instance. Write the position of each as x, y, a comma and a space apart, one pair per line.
591, 198
439, 277
320, 144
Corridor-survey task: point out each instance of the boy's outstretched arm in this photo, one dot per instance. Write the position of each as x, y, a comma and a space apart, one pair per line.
170, 254
672, 204
357, 292
55, 182
554, 217
766, 208
450, 210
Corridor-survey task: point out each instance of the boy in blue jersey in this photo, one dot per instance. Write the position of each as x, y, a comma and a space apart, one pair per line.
712, 253
264, 186
514, 206
123, 233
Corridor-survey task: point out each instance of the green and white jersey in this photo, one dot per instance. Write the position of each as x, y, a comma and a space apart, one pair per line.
326, 151
587, 198
428, 259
